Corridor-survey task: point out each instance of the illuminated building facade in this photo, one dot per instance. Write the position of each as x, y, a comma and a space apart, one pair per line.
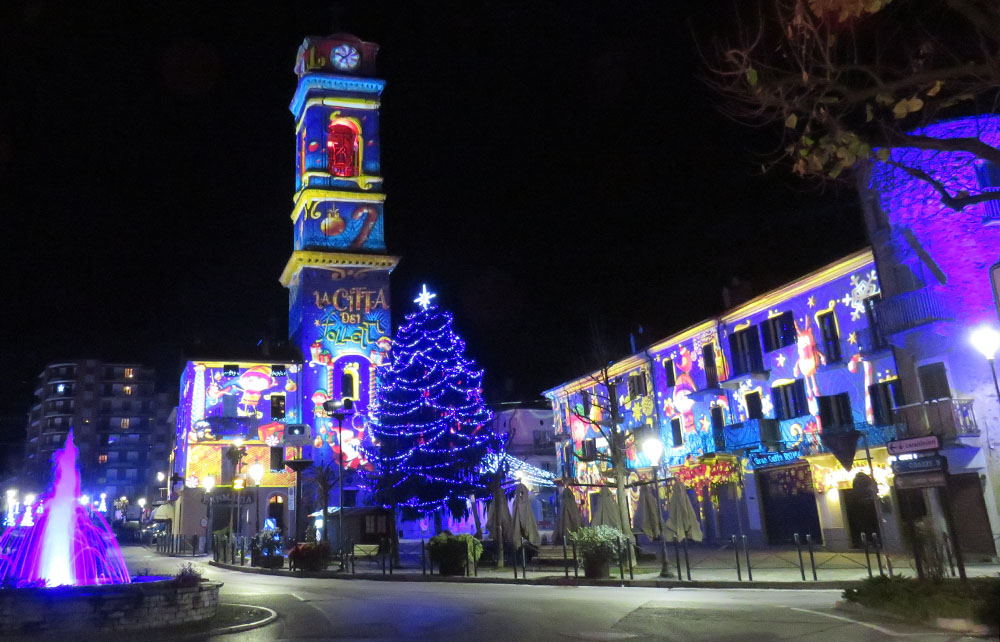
758, 396
935, 267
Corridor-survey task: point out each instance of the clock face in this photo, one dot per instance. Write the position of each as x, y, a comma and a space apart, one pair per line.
345, 57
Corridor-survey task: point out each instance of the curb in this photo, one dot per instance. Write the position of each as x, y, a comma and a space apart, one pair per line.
239, 628
546, 581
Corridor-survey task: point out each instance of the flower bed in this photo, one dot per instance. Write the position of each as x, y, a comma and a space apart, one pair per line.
977, 599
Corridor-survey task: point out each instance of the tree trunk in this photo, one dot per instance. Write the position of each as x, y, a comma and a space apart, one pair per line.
618, 464
475, 516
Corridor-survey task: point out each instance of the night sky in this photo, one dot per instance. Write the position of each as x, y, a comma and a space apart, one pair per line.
547, 164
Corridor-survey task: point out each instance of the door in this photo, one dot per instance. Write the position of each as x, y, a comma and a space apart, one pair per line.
789, 504
860, 512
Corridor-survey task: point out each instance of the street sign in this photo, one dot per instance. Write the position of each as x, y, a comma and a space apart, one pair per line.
920, 480
914, 445
920, 465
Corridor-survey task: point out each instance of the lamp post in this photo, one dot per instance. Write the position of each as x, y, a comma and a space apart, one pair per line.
235, 454
339, 410
987, 340
652, 447
257, 474
142, 508
209, 484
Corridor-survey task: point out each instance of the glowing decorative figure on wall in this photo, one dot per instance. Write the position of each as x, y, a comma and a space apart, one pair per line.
65, 546
810, 358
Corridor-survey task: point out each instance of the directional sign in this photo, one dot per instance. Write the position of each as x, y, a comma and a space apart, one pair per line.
914, 444
920, 465
920, 480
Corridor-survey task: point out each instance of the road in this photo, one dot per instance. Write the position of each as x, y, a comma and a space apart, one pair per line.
325, 609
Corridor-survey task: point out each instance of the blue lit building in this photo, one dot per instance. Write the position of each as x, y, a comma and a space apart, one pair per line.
755, 399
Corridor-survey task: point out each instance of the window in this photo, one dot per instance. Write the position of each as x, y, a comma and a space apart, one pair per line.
718, 419
61, 388
127, 389
129, 373
885, 397
637, 385
676, 432
230, 370
744, 346
125, 422
277, 406
342, 148
829, 336
102, 459
755, 408
112, 474
585, 396
349, 384
132, 456
779, 331
835, 410
790, 400
711, 370
229, 405
934, 381
668, 370
131, 473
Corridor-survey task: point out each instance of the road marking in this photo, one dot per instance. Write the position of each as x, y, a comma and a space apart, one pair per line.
300, 599
874, 627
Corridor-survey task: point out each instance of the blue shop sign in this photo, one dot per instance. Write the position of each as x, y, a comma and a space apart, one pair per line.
920, 465
765, 460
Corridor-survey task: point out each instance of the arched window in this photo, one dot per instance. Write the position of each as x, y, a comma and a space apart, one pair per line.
342, 147
349, 384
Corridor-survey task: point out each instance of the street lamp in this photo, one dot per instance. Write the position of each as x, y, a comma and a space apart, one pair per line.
652, 447
339, 410
987, 340
209, 484
257, 474
142, 507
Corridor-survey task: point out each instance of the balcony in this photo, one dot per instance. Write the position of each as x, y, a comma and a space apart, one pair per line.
877, 435
749, 434
946, 418
908, 311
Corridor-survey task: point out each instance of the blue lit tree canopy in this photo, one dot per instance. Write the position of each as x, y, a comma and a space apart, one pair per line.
432, 430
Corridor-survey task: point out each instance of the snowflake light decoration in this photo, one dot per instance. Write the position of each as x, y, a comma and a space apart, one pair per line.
861, 289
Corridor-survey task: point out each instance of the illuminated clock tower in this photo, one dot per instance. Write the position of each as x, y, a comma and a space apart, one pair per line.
338, 274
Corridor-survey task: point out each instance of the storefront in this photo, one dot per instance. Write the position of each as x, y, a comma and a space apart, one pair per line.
788, 502
713, 486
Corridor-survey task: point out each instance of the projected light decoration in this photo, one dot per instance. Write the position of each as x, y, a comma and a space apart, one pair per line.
65, 546
431, 433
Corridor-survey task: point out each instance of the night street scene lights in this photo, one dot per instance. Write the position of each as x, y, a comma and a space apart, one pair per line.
987, 341
652, 447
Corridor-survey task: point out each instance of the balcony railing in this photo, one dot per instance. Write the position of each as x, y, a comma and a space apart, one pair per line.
877, 435
909, 310
747, 435
946, 418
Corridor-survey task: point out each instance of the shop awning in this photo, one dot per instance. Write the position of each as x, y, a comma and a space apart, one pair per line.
164, 512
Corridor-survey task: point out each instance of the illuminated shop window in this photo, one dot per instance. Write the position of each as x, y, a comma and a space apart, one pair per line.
127, 389
342, 148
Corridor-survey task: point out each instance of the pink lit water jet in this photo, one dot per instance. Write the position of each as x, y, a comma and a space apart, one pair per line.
65, 546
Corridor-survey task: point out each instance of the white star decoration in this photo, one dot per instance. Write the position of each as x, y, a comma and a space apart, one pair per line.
424, 299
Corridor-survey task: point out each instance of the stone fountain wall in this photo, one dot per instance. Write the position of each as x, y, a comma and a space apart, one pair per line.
116, 607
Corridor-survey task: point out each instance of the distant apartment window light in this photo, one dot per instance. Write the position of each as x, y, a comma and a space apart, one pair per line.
129, 373
102, 459
127, 389
125, 422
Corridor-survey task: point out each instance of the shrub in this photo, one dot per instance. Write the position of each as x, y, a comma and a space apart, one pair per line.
450, 552
978, 598
310, 557
268, 540
598, 542
188, 575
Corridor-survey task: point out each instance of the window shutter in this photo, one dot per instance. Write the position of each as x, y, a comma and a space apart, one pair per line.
676, 433
668, 370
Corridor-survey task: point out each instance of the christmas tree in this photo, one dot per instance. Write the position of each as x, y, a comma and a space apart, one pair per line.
432, 430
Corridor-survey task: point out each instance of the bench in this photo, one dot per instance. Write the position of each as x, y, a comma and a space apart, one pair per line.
369, 551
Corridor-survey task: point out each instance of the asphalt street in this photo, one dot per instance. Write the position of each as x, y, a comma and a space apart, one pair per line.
330, 609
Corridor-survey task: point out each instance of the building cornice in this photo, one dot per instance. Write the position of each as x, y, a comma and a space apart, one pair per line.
334, 260
330, 82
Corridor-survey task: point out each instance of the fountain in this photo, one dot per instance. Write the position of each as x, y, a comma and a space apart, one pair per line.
64, 546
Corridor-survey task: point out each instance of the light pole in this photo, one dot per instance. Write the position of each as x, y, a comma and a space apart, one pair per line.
987, 340
652, 447
142, 508
257, 474
339, 410
209, 484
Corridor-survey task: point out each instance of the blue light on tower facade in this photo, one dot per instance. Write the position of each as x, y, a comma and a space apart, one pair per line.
338, 274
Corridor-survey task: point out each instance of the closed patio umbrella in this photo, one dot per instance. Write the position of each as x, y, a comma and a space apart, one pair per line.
569, 519
647, 518
524, 518
606, 513
499, 511
682, 522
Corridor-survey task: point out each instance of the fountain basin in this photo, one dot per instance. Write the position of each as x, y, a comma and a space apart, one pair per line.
108, 607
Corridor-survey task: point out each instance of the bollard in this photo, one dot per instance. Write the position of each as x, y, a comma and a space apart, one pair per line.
524, 560
677, 558
565, 561
423, 563
868, 559
736, 552
798, 549
687, 560
475, 563
621, 561
576, 563
467, 554
812, 559
746, 552
878, 553
628, 552
514, 558
392, 554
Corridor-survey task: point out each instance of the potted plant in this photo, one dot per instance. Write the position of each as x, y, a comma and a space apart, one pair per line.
598, 546
268, 544
452, 552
